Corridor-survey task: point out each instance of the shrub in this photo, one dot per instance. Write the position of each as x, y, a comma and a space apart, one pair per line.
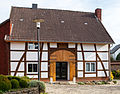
99, 83
111, 58
111, 76
1, 92
26, 78
104, 82
9, 77
42, 85
5, 84
114, 73
33, 83
115, 82
17, 78
81, 83
15, 83
14, 77
117, 73
118, 57
23, 83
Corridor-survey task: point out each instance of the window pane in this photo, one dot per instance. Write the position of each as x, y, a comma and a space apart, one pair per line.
29, 67
36, 45
92, 66
35, 68
87, 66
30, 46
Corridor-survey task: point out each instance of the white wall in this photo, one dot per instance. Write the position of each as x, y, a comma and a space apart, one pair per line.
106, 65
53, 45
15, 55
30, 56
17, 46
79, 56
71, 45
14, 66
88, 47
18, 74
101, 47
103, 56
91, 56
44, 66
78, 47
79, 65
102, 74
80, 73
90, 75
44, 74
45, 46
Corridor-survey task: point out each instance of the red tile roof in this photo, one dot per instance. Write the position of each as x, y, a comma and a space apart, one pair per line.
59, 26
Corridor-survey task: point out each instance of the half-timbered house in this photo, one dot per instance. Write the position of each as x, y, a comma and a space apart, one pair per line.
73, 45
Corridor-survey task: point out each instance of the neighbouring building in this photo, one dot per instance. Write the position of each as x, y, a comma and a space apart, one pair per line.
73, 44
115, 51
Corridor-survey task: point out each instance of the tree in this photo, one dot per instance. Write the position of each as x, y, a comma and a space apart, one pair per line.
118, 57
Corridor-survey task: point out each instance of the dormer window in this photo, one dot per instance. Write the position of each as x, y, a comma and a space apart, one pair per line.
32, 46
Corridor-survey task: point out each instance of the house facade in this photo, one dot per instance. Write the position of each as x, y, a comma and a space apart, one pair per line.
73, 45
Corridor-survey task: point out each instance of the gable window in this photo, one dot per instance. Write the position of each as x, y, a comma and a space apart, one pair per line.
90, 67
32, 68
32, 46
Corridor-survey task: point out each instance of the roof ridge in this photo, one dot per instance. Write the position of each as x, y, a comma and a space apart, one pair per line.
53, 9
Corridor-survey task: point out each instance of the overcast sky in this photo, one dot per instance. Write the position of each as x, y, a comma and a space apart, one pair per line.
110, 10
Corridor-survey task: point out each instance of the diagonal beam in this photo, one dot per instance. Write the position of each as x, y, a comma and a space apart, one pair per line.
83, 60
102, 65
19, 63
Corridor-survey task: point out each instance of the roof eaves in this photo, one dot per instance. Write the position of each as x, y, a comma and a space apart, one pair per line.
23, 40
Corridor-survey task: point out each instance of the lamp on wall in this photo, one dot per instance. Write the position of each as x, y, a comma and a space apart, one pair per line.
38, 21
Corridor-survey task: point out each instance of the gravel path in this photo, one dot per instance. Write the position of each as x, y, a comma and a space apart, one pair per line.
82, 89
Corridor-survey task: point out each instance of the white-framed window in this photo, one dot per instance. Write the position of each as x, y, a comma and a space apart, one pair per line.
32, 67
32, 46
90, 67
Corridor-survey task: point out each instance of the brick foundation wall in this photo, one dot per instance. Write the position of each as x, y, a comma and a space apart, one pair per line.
25, 91
115, 65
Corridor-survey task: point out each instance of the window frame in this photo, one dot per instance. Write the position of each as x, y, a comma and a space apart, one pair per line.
90, 66
34, 45
32, 68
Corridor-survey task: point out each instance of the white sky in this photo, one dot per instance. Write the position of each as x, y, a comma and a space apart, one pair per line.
110, 10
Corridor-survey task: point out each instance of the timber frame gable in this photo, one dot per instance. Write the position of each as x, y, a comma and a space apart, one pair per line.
76, 54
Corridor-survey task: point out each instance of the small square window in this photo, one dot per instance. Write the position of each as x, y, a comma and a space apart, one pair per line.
32, 68
32, 46
90, 67
36, 45
29, 67
87, 66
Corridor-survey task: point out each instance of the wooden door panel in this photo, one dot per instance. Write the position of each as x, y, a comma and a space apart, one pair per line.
72, 70
62, 56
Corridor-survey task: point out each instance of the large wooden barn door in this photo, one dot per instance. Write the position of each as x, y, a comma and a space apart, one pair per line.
62, 56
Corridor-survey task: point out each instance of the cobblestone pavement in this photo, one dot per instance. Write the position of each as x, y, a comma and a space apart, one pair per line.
82, 89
